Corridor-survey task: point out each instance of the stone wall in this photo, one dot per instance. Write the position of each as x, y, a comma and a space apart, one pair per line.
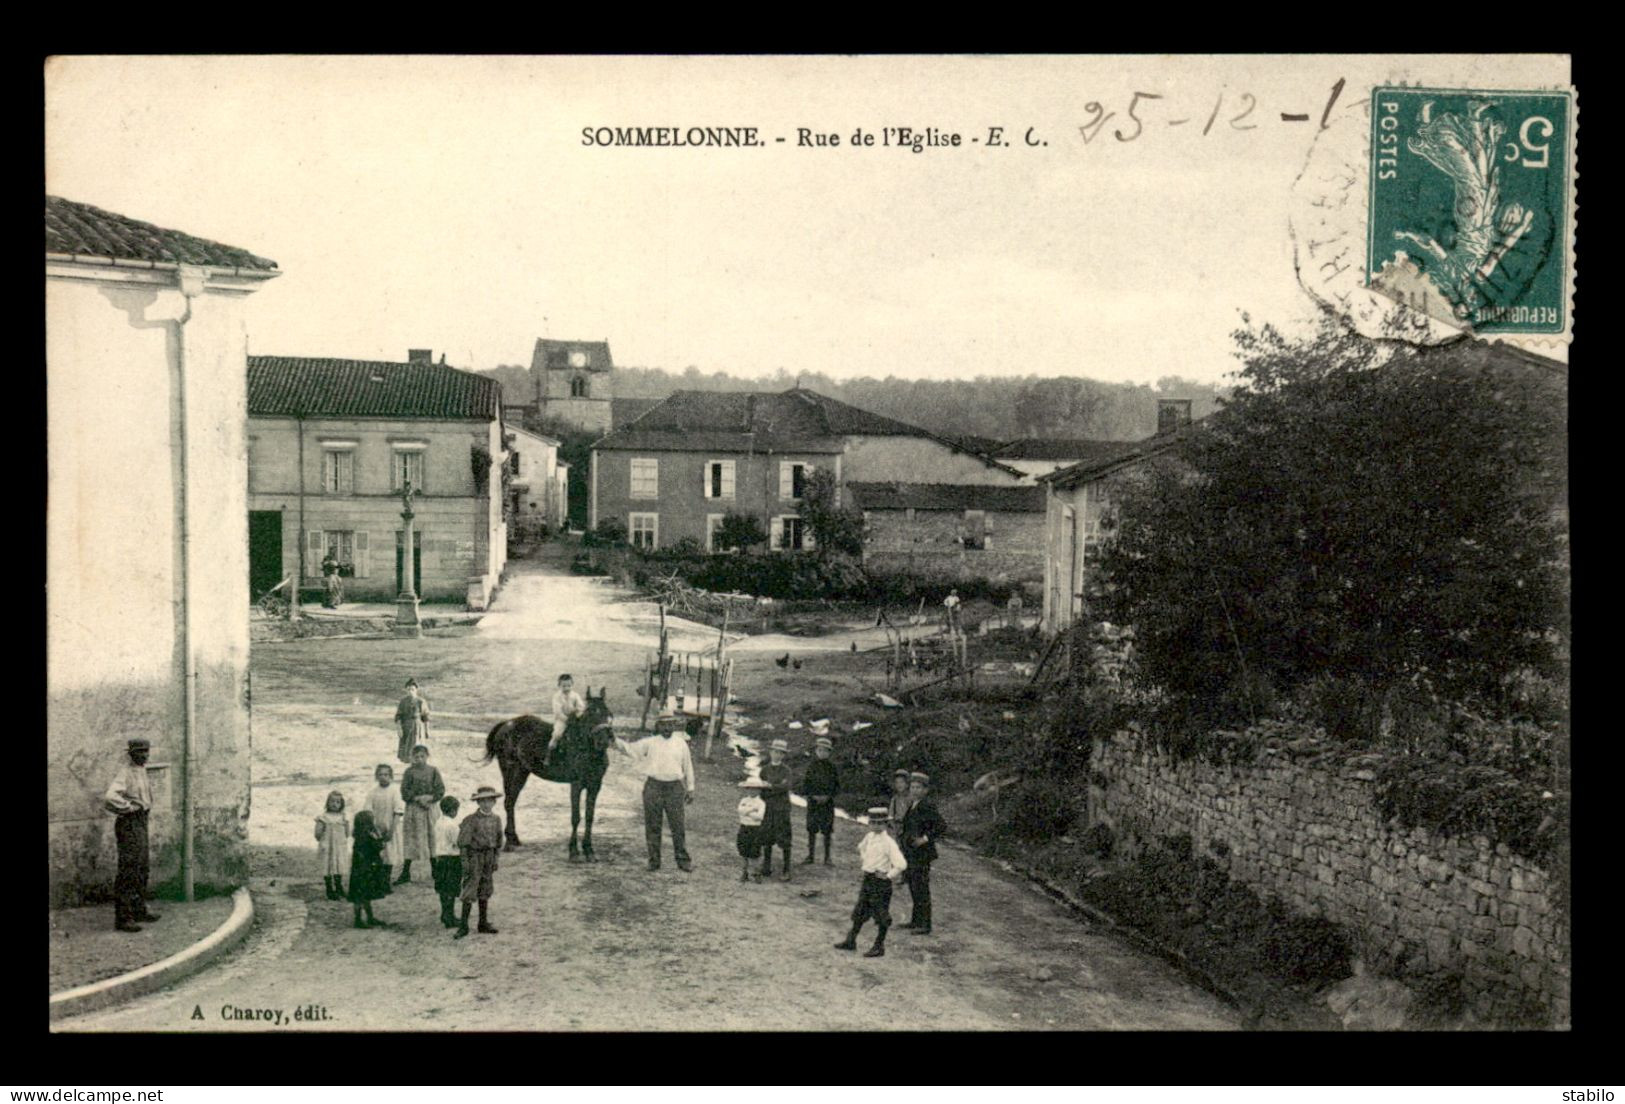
1419, 903
931, 541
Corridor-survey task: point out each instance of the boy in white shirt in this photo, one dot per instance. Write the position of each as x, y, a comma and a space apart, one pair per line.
883, 864
751, 811
447, 861
566, 704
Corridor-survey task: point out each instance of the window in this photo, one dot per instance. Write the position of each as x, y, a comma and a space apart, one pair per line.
790, 534
713, 522
643, 530
719, 479
978, 529
513, 462
646, 479
408, 466
345, 545
793, 479
578, 387
338, 471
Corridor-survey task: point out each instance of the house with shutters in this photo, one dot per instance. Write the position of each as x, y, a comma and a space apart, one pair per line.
146, 558
680, 468
331, 445
538, 481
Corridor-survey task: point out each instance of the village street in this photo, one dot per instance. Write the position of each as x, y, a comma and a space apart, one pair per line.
609, 946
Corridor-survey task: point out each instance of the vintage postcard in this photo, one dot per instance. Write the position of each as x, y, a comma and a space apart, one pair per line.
1034, 543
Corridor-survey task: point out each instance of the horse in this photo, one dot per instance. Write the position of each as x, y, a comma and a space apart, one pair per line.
520, 749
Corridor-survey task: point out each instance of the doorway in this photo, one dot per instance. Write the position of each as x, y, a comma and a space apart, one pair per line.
264, 552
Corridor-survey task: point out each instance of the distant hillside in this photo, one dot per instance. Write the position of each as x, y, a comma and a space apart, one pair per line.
999, 408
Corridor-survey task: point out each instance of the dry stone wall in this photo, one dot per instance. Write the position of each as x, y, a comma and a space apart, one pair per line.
1419, 903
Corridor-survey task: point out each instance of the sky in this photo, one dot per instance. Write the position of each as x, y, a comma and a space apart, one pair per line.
450, 203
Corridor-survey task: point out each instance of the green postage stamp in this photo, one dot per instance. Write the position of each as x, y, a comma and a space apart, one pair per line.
1470, 206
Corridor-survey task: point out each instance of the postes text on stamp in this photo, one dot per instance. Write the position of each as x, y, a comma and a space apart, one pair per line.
1469, 206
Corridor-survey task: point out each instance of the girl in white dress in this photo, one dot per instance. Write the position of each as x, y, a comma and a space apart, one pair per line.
333, 846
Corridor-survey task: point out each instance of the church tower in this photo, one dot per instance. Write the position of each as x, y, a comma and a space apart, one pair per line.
574, 382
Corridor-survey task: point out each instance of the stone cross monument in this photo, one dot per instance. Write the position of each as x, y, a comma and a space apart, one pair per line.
406, 603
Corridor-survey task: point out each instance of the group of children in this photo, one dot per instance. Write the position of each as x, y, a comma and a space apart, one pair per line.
416, 821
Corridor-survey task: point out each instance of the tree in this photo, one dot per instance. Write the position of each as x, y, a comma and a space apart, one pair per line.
739, 531
1380, 518
835, 528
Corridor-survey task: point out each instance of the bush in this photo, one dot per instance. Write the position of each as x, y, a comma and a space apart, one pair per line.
611, 531
1455, 799
1310, 950
1036, 810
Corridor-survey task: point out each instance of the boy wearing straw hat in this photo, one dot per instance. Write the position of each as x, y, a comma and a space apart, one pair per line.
775, 777
751, 811
820, 785
883, 864
479, 839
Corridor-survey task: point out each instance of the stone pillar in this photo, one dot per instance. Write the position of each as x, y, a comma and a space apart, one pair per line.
406, 603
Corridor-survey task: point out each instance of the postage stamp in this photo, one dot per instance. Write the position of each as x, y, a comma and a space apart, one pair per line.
1469, 206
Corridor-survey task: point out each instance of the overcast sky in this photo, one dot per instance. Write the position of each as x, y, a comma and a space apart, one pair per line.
449, 203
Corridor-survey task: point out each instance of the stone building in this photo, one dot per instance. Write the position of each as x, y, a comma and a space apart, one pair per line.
146, 544
675, 472
575, 383
538, 482
331, 443
968, 530
1078, 504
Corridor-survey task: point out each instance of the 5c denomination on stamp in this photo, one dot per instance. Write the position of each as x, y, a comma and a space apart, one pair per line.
1469, 216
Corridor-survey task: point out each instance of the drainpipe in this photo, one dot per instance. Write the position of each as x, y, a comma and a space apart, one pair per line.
191, 281
299, 541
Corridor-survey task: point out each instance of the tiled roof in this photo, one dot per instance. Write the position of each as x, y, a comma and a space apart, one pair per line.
625, 411
598, 358
79, 229
1057, 448
1126, 453
793, 420
329, 387
946, 496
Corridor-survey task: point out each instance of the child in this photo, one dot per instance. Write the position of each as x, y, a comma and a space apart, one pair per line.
369, 874
820, 786
333, 846
751, 810
447, 861
421, 791
883, 864
387, 809
479, 839
776, 794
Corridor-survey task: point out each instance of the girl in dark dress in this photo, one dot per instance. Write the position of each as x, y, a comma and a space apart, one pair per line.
369, 874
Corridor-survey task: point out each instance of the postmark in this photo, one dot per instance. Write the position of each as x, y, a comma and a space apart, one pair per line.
1468, 216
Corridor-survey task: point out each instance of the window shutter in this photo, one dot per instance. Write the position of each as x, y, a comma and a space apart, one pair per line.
315, 549
707, 476
786, 479
727, 479
776, 533
362, 541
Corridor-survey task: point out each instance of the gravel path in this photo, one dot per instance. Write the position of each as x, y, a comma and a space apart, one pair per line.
611, 945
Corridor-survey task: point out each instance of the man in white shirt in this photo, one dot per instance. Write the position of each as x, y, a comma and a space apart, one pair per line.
668, 786
883, 864
566, 704
129, 798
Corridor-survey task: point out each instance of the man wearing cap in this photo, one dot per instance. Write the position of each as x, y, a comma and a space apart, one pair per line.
921, 827
129, 799
883, 864
819, 785
668, 785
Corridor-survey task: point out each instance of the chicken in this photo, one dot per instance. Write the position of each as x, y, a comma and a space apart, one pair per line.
796, 663
783, 660
854, 646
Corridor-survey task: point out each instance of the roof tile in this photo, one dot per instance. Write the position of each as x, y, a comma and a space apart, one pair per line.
79, 229
330, 387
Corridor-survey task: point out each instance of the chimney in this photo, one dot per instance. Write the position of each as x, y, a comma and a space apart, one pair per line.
1172, 414
420, 356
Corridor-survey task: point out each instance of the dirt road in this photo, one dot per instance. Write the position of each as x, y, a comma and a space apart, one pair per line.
610, 946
